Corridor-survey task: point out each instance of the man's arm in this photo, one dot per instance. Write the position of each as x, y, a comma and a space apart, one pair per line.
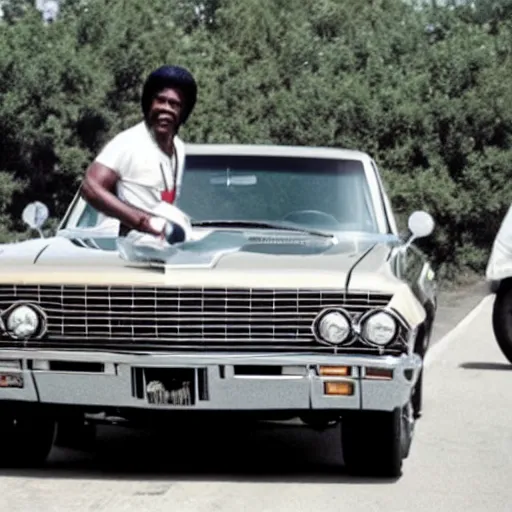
98, 189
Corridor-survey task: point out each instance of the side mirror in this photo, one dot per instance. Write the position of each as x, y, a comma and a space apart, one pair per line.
35, 215
421, 224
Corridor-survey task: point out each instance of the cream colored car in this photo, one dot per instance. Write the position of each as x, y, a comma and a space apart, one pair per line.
297, 298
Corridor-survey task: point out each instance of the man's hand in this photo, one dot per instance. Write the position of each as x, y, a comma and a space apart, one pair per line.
169, 231
98, 189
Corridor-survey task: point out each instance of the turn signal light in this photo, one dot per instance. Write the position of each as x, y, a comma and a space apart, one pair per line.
379, 373
339, 388
11, 380
334, 371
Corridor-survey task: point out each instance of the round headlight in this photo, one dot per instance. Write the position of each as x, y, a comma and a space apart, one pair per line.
23, 322
380, 328
333, 327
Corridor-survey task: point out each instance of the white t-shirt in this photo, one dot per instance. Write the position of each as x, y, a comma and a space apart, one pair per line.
145, 170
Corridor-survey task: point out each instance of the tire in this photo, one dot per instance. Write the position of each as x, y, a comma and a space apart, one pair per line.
26, 439
417, 393
319, 422
502, 320
75, 433
421, 350
374, 443
417, 397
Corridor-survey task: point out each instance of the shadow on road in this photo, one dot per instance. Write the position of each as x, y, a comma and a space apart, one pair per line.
285, 454
487, 366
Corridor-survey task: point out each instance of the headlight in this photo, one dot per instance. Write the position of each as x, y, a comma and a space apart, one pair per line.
332, 327
23, 322
380, 328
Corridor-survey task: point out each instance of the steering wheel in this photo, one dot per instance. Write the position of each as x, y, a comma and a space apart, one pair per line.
311, 216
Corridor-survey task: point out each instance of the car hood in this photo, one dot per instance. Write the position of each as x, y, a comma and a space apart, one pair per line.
221, 259
216, 253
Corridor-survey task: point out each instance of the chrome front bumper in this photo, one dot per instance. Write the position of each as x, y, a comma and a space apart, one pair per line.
225, 381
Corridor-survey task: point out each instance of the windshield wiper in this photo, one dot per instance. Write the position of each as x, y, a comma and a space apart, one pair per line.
261, 224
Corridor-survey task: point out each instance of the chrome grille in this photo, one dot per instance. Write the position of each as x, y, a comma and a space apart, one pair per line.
185, 318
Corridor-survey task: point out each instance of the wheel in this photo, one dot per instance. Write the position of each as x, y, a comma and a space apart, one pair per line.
502, 320
421, 348
26, 439
374, 443
319, 422
417, 394
75, 432
417, 397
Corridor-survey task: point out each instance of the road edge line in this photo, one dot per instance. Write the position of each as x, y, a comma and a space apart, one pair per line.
435, 351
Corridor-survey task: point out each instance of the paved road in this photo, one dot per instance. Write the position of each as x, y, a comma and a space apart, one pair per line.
454, 305
461, 459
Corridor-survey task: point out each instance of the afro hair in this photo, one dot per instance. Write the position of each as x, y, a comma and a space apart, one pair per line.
170, 76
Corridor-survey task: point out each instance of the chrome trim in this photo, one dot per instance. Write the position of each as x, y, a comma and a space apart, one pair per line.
193, 359
198, 318
225, 390
366, 316
401, 325
401, 320
357, 324
349, 339
43, 320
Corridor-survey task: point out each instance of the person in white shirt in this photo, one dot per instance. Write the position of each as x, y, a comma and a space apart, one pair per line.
143, 165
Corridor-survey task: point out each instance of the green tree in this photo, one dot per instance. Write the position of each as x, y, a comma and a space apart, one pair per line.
423, 89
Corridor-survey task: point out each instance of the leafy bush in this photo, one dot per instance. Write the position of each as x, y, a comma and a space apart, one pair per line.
426, 92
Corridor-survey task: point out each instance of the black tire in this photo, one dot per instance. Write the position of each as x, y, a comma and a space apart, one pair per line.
319, 422
417, 397
502, 320
75, 433
26, 439
421, 349
375, 443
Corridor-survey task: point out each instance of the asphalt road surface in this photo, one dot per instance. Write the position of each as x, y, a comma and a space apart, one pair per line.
461, 458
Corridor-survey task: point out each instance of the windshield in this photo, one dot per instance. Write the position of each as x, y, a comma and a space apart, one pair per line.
324, 194
328, 194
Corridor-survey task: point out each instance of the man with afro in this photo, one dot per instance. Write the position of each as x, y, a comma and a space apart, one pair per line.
143, 165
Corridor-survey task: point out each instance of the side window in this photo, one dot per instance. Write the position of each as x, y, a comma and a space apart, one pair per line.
89, 218
81, 215
390, 218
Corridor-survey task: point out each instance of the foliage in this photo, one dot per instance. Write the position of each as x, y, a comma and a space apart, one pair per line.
424, 90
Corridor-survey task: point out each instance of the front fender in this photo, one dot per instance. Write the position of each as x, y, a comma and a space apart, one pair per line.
499, 266
23, 252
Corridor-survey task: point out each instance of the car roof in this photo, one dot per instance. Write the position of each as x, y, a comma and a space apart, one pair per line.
274, 150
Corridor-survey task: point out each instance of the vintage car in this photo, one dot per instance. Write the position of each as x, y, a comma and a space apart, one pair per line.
499, 277
298, 298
